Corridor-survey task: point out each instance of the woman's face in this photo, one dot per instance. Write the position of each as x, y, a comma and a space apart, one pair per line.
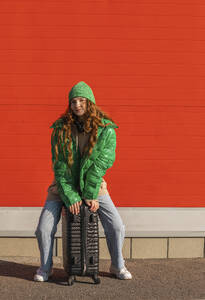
79, 106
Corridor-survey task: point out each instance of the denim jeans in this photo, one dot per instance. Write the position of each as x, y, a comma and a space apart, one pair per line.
111, 221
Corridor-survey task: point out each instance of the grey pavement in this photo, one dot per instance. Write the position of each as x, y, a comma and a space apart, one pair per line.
153, 279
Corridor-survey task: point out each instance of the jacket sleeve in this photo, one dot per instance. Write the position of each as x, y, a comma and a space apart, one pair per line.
64, 182
102, 161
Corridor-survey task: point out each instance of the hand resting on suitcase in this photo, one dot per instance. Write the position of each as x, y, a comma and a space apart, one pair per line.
94, 204
75, 208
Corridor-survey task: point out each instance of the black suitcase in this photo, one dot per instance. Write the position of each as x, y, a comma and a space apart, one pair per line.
80, 236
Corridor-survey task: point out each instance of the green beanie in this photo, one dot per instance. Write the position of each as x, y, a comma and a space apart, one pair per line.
81, 89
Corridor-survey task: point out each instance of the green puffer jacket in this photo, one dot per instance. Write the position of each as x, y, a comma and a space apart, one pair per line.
86, 172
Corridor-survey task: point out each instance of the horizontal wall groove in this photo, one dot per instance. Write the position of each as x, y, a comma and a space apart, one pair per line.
123, 105
131, 135
113, 75
101, 38
140, 159
139, 26
18, 61
144, 76
50, 13
131, 4
104, 50
64, 86
108, 63
150, 2
170, 147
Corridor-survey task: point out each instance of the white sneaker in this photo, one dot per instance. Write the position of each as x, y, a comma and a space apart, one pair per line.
121, 274
42, 276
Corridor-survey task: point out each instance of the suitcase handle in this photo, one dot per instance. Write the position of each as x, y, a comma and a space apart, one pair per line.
83, 203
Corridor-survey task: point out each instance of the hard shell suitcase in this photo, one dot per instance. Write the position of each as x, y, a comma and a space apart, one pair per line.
80, 244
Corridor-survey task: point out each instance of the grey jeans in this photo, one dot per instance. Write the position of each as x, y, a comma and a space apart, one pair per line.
111, 221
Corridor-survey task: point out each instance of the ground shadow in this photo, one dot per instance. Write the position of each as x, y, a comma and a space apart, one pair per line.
106, 274
60, 277
26, 272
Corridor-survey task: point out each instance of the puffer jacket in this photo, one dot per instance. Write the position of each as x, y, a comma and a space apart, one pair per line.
86, 173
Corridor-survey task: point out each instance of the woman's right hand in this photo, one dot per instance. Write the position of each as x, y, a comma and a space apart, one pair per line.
75, 208
93, 204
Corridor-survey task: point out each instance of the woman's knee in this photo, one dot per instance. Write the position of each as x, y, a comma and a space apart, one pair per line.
118, 227
45, 230
49, 219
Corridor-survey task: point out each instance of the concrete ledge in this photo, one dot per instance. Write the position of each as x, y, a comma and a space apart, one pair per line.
150, 232
136, 248
149, 248
19, 247
186, 247
139, 221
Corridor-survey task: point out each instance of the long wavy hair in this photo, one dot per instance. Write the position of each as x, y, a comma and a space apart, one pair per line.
93, 119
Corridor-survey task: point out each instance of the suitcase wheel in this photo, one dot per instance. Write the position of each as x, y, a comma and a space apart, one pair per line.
96, 279
71, 280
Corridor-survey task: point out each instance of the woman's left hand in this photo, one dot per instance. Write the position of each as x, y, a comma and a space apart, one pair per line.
94, 204
75, 208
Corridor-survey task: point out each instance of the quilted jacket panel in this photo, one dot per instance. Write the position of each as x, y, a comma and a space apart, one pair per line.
84, 178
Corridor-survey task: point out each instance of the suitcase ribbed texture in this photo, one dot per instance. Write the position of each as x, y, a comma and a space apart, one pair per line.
80, 242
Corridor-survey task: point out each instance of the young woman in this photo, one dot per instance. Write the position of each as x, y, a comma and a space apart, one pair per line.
83, 146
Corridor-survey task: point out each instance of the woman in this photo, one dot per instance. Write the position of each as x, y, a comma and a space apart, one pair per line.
83, 146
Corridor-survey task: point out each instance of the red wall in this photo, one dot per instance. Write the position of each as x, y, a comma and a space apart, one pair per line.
145, 62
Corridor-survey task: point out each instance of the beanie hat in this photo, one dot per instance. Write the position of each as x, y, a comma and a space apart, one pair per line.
81, 89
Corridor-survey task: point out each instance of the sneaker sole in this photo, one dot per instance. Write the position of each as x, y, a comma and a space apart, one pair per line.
39, 280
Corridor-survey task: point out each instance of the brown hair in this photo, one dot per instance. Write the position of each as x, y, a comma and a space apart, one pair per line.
93, 119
